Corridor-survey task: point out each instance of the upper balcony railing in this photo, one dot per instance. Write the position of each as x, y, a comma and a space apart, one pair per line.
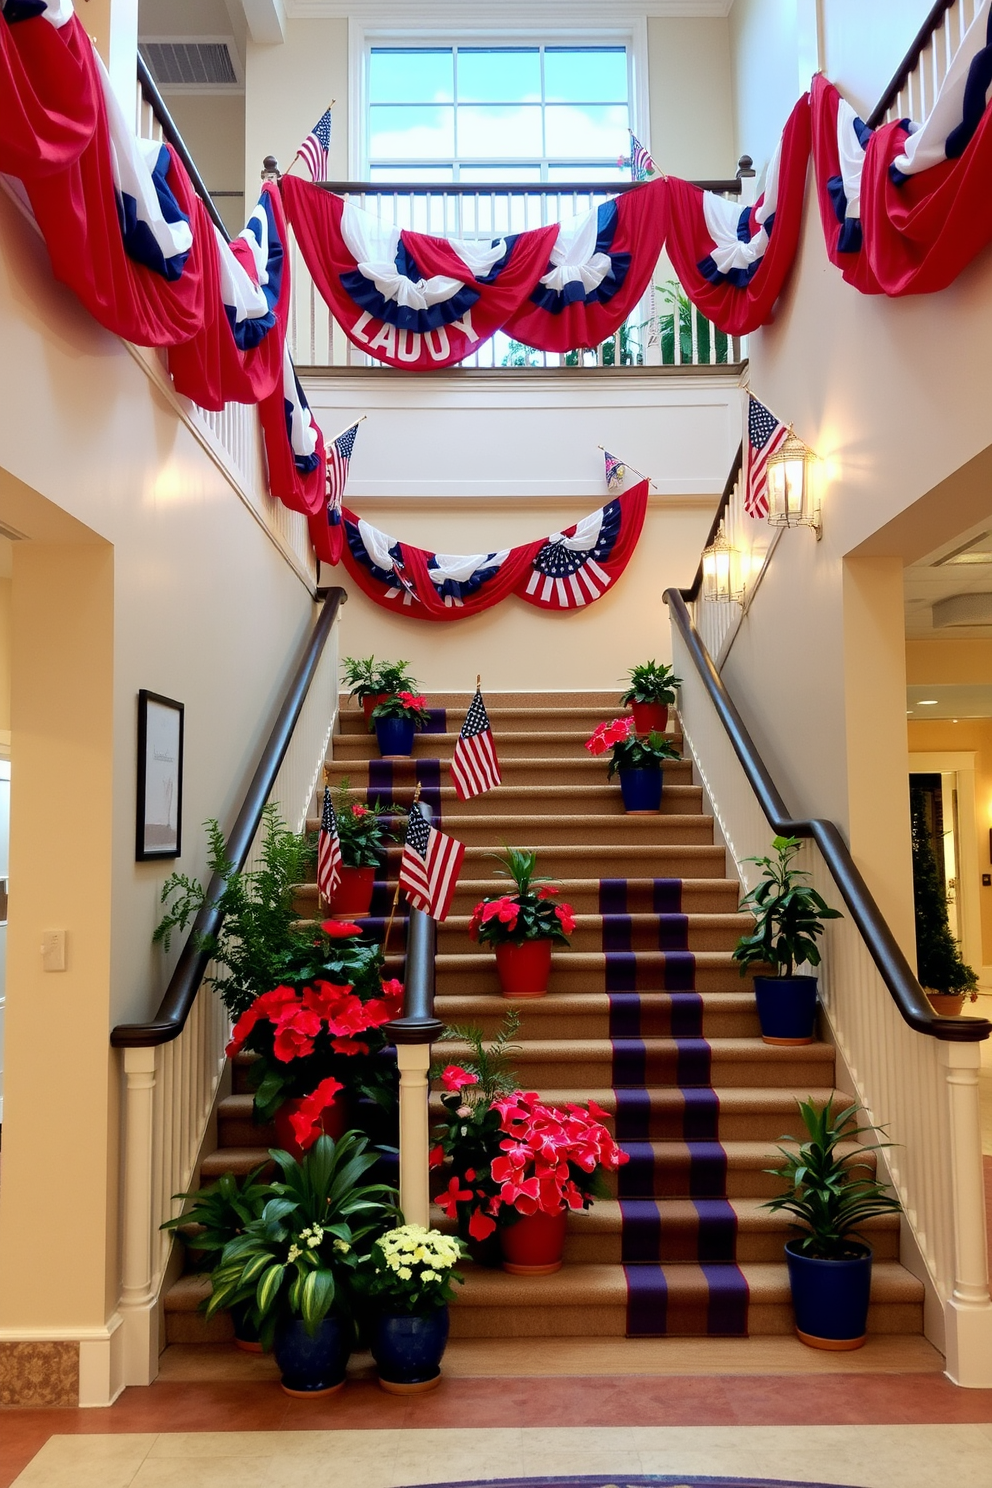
916, 83
664, 329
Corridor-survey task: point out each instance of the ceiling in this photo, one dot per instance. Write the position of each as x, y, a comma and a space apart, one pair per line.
962, 565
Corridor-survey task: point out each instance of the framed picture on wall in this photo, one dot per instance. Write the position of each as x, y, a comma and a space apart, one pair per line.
160, 777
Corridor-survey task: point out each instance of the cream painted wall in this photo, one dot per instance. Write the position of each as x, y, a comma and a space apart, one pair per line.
864, 44
949, 661
691, 97
213, 126
764, 49
287, 88
5, 598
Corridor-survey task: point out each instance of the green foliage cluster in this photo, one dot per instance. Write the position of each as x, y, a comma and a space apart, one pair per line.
788, 914
220, 1212
830, 1193
525, 915
403, 704
367, 677
641, 752
651, 682
490, 1061
940, 965
361, 829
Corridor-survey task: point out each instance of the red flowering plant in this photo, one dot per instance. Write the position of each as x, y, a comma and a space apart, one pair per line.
321, 1032
631, 751
528, 914
362, 830
409, 705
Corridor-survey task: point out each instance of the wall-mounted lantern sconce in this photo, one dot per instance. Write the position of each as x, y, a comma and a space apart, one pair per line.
718, 571
790, 486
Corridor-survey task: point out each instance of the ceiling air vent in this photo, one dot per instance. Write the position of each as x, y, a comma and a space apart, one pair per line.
963, 609
190, 64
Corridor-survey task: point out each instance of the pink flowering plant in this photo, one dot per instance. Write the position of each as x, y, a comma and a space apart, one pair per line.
408, 705
362, 828
631, 751
529, 914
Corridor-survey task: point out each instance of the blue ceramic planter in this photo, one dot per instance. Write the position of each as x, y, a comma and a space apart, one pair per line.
312, 1366
408, 1349
395, 735
786, 1008
641, 789
830, 1298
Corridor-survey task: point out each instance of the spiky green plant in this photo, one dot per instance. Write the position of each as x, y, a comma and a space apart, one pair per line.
220, 1212
489, 1061
520, 865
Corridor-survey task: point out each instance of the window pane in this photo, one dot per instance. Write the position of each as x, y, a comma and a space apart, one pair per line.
587, 132
411, 133
411, 76
415, 174
588, 173
502, 173
499, 75
585, 74
489, 133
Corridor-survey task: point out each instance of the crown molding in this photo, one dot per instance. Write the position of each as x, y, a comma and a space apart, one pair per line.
376, 13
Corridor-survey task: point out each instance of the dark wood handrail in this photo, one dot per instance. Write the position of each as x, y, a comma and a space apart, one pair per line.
418, 1024
175, 139
883, 948
731, 186
692, 592
908, 63
184, 984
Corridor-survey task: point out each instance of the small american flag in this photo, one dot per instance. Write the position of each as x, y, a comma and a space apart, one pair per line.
313, 151
474, 767
328, 850
642, 167
430, 866
338, 461
616, 472
764, 435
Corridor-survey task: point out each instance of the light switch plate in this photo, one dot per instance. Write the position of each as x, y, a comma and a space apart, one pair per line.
53, 950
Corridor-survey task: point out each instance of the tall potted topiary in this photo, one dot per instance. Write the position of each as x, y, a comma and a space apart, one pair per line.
651, 691
831, 1194
788, 921
522, 927
944, 975
637, 759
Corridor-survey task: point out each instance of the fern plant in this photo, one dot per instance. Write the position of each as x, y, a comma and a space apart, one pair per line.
490, 1060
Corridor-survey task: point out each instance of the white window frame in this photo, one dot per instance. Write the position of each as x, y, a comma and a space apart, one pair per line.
630, 31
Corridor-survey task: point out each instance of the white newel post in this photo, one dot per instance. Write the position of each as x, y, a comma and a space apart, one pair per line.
137, 1304
414, 1061
969, 1310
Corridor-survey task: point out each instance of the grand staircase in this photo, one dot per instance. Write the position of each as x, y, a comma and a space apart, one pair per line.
645, 1013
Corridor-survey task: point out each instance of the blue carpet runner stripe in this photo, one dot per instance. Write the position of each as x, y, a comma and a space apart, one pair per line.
389, 779
673, 1191
437, 722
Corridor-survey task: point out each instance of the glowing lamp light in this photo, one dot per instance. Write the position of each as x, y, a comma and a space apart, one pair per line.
718, 570
790, 496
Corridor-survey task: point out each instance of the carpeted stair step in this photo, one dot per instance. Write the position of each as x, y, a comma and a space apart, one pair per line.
182, 1305
587, 1015
518, 719
566, 743
592, 971
543, 772
695, 895
666, 932
544, 830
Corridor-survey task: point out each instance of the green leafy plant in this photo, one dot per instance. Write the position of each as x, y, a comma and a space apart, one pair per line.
408, 705
410, 1270
830, 1193
631, 750
525, 915
940, 965
490, 1060
651, 682
301, 1257
260, 928
788, 914
367, 677
675, 327
362, 832
220, 1212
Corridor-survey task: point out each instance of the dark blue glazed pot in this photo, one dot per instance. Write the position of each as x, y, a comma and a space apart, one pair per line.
312, 1366
408, 1350
830, 1298
395, 735
641, 789
786, 1008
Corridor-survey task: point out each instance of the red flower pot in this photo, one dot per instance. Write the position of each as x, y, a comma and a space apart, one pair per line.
650, 716
353, 895
523, 969
368, 703
333, 1122
535, 1244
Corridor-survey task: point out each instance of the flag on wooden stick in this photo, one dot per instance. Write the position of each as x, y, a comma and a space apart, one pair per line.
616, 471
328, 850
314, 149
474, 766
430, 866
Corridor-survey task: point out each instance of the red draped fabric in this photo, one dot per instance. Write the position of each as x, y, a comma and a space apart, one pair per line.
49, 95
855, 267
642, 224
634, 505
736, 311
300, 491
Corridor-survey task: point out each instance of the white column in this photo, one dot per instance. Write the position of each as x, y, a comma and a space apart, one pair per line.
969, 1310
414, 1061
137, 1304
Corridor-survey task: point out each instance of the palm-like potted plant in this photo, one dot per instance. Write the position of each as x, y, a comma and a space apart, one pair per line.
362, 834
371, 681
944, 974
789, 917
218, 1214
296, 1265
637, 759
831, 1195
408, 1279
522, 927
651, 692
395, 719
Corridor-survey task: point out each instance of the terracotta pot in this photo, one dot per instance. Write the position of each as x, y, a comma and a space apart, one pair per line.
368, 703
333, 1122
353, 895
947, 1004
523, 969
535, 1244
649, 716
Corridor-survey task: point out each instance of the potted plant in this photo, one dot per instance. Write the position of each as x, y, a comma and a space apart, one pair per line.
219, 1213
396, 719
371, 681
296, 1265
944, 975
522, 927
362, 836
319, 1043
831, 1195
789, 918
637, 759
651, 691
409, 1276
